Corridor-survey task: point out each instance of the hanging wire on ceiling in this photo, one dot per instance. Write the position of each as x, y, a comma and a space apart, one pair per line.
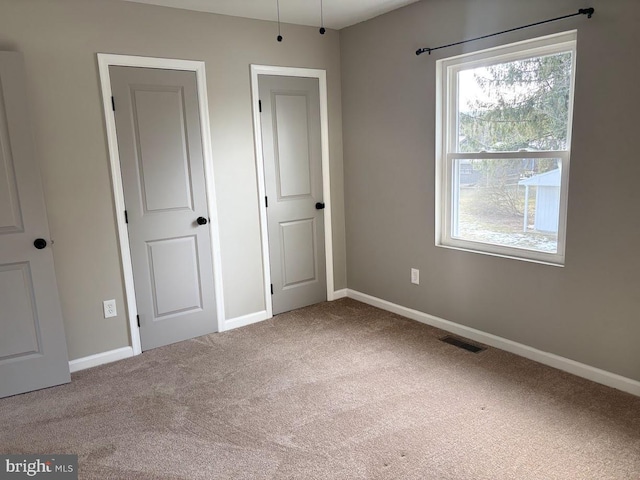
322, 29
279, 38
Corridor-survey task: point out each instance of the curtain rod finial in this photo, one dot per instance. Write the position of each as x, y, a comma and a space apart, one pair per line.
587, 11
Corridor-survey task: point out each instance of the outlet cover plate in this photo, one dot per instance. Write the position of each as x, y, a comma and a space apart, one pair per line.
415, 276
109, 307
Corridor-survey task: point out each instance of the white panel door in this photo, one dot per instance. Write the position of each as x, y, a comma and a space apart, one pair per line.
33, 349
161, 157
292, 153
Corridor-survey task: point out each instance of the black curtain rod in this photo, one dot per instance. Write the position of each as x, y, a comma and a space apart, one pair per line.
583, 11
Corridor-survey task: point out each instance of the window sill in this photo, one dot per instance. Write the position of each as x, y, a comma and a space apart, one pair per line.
501, 255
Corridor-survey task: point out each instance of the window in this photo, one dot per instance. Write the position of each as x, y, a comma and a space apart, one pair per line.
503, 145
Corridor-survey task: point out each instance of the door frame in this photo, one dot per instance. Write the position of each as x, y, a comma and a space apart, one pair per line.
321, 75
106, 60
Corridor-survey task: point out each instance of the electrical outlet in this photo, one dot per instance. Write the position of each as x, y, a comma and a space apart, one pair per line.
109, 307
415, 276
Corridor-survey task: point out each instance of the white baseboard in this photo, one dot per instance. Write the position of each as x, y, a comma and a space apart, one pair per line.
245, 320
338, 294
260, 316
561, 363
100, 359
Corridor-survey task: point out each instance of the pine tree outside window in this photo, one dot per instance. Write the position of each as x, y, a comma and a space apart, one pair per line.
503, 147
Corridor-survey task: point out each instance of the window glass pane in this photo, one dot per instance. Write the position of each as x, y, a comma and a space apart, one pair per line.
508, 202
517, 105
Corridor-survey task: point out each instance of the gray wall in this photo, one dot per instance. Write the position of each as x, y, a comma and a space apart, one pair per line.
59, 40
587, 311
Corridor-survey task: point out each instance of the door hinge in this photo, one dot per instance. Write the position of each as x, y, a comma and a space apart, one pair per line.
260, 106
266, 202
126, 217
138, 318
113, 103
272, 289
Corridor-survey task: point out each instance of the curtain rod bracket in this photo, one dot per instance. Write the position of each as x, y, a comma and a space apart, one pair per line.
583, 11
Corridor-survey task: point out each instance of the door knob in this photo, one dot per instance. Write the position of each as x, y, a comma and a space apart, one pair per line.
201, 221
319, 206
40, 243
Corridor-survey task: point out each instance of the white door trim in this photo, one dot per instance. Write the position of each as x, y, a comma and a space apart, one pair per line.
104, 62
321, 75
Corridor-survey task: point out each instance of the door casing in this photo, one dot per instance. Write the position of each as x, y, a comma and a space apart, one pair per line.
321, 75
104, 62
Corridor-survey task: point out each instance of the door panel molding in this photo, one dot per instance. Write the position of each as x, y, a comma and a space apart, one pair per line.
303, 268
9, 200
159, 200
289, 110
104, 62
321, 75
164, 289
19, 302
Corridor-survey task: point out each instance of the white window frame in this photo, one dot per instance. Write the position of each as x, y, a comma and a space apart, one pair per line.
446, 129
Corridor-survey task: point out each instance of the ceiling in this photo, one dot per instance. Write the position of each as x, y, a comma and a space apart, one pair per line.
337, 13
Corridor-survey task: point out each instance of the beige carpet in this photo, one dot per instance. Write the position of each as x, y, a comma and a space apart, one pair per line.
335, 391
